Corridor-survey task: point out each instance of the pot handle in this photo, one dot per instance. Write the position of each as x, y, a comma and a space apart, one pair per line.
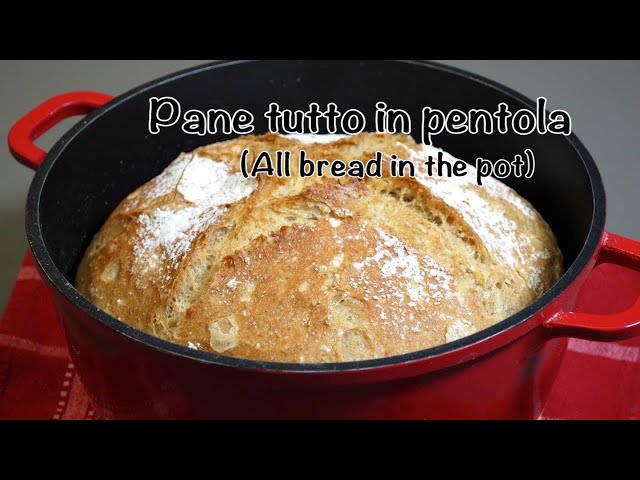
618, 326
43, 117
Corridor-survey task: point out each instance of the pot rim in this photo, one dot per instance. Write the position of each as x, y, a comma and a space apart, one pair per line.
58, 280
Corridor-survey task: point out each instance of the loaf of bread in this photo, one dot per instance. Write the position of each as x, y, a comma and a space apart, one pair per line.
317, 269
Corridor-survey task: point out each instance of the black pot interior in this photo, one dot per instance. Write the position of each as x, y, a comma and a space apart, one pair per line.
111, 152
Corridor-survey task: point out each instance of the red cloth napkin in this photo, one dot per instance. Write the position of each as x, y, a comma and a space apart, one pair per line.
38, 381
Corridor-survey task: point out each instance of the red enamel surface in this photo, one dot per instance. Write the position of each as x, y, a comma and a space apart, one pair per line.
46, 115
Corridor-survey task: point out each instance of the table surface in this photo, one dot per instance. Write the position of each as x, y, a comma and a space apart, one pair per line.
601, 96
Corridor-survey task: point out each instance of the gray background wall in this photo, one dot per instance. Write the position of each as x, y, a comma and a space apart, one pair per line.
601, 96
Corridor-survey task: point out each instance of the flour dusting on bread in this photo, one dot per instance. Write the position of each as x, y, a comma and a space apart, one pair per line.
166, 234
209, 182
499, 232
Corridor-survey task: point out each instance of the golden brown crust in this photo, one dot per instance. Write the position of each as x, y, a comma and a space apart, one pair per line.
317, 270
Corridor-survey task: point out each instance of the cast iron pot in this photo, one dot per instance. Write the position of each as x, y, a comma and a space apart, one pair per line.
503, 372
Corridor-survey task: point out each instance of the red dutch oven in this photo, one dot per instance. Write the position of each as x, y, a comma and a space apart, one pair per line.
505, 371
